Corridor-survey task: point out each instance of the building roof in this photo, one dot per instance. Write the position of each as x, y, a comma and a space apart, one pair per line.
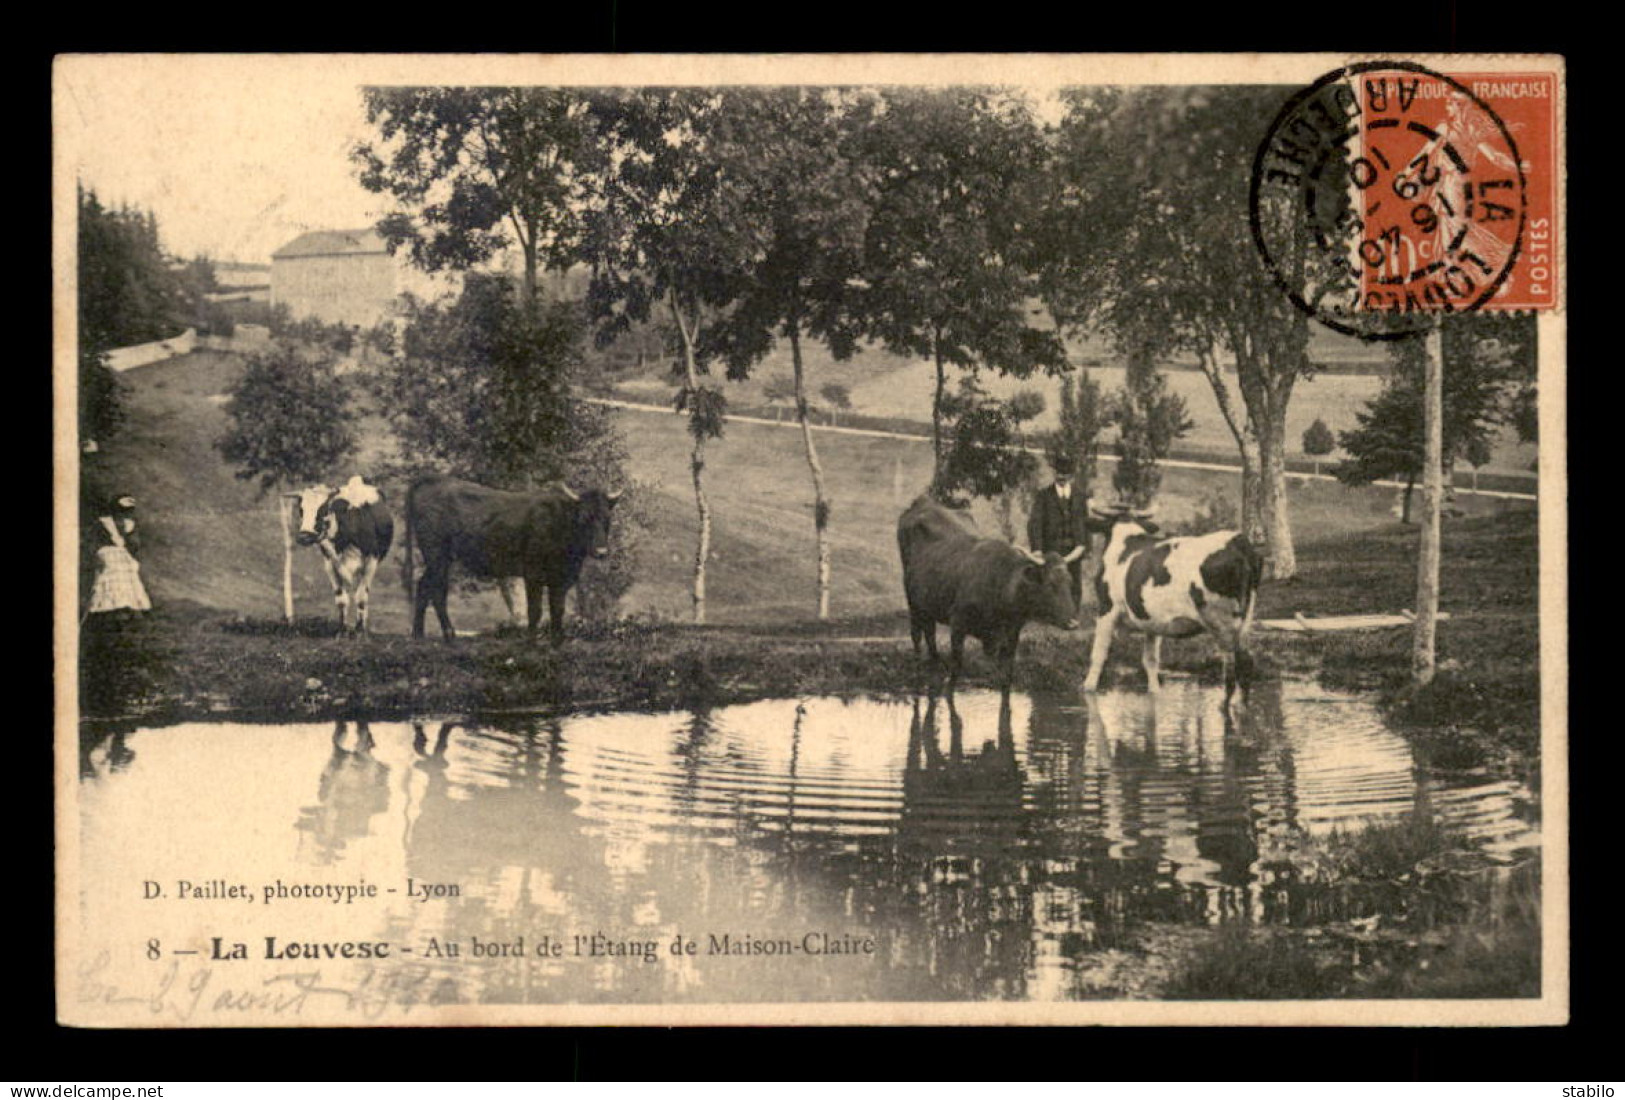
332, 242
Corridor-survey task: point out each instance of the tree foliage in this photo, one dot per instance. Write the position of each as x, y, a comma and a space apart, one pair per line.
482, 387
949, 255
987, 455
1488, 370
291, 420
1149, 420
1318, 439
1147, 237
1075, 444
128, 293
476, 170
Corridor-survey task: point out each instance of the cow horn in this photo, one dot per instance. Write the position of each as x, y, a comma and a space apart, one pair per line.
614, 495
1073, 555
1035, 556
569, 492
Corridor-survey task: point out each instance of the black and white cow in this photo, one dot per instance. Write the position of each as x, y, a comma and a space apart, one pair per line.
353, 529
1175, 588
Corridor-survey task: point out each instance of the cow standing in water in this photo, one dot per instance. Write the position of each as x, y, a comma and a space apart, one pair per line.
1175, 588
980, 587
542, 536
353, 529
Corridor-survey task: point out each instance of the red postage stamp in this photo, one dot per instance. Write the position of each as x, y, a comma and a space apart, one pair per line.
1387, 193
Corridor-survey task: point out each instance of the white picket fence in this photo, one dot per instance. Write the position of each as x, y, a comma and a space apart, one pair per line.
122, 359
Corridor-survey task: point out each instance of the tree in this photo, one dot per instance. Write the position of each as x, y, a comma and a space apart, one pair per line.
987, 454
1488, 368
477, 170
1318, 441
794, 193
837, 397
949, 262
291, 419
482, 387
101, 397
1149, 419
1073, 446
658, 238
127, 292
1148, 239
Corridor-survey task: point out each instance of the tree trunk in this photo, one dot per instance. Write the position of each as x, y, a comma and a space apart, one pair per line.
285, 508
821, 507
1427, 566
936, 412
696, 464
1405, 500
1252, 492
1281, 560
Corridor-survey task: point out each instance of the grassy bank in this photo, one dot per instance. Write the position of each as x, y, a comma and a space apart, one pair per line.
185, 661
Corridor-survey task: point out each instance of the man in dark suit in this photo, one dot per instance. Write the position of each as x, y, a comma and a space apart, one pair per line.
1059, 522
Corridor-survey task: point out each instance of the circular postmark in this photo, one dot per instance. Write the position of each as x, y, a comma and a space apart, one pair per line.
1384, 195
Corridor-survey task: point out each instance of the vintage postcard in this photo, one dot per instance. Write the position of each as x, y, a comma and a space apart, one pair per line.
810, 539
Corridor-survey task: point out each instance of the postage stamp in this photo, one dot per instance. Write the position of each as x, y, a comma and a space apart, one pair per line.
508, 509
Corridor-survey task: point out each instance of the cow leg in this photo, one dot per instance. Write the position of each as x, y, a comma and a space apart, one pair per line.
1099, 649
555, 613
420, 602
1152, 659
363, 590
433, 588
956, 638
510, 588
331, 564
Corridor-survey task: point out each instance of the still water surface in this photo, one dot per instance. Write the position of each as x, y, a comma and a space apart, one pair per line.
910, 849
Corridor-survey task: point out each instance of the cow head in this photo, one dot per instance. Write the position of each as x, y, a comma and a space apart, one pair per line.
1044, 589
312, 520
593, 508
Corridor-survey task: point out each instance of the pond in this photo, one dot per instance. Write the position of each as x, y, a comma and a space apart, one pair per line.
921, 848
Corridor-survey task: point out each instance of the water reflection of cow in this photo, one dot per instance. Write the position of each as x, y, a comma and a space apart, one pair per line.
515, 813
353, 789
967, 800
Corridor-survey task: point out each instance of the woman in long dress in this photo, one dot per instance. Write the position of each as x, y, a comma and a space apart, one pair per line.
118, 584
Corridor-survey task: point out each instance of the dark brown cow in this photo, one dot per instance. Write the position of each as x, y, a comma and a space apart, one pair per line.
981, 587
542, 536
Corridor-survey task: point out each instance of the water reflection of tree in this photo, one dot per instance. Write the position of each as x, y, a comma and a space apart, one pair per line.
352, 790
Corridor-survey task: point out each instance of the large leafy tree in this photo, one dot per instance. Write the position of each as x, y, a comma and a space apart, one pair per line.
481, 388
476, 170
291, 421
797, 197
661, 239
949, 260
1149, 241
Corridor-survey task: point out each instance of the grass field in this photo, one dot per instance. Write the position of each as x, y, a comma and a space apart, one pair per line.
886, 385
212, 559
213, 541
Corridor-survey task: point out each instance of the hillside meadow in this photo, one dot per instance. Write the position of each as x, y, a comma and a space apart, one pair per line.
212, 558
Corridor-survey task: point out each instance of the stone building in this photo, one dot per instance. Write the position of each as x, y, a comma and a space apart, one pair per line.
335, 275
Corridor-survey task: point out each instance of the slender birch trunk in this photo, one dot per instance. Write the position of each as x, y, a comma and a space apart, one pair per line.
696, 463
821, 508
1427, 568
936, 411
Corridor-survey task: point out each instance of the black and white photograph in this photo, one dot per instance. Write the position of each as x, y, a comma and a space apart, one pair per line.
822, 539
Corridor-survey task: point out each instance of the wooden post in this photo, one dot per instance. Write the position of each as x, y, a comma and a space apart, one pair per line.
1423, 656
285, 510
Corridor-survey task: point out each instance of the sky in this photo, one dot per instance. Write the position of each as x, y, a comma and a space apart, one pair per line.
239, 154
235, 160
